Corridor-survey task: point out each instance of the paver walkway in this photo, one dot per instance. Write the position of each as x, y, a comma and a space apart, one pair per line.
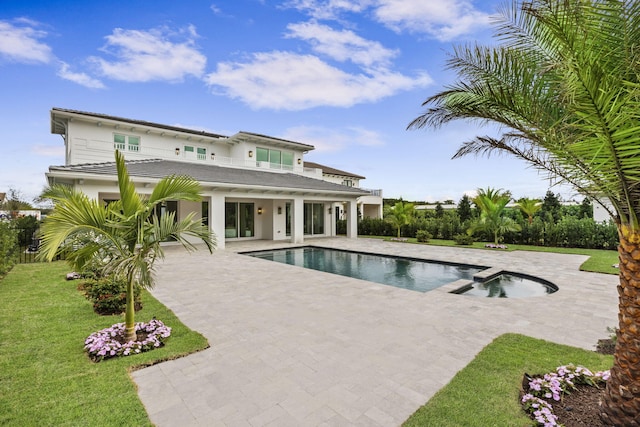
297, 347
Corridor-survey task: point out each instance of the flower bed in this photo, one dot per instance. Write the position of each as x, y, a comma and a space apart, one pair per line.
542, 391
110, 342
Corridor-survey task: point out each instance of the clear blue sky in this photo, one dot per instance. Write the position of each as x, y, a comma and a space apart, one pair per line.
344, 76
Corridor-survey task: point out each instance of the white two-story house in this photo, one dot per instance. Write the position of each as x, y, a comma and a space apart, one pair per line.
254, 186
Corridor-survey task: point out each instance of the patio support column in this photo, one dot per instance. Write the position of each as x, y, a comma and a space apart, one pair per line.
216, 222
352, 219
331, 220
297, 220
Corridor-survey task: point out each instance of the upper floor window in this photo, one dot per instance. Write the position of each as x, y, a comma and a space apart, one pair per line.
276, 158
347, 182
191, 152
126, 142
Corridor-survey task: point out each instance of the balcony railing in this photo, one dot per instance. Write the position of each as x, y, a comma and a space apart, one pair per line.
377, 192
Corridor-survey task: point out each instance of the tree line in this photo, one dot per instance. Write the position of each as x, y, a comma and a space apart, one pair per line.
493, 216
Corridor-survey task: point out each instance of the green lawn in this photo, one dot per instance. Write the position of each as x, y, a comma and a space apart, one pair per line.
45, 376
485, 392
600, 260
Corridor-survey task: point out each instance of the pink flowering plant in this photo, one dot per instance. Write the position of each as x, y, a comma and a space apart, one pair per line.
110, 342
553, 386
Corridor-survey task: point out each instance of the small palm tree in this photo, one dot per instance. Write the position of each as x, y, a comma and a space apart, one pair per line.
400, 214
123, 237
492, 204
529, 207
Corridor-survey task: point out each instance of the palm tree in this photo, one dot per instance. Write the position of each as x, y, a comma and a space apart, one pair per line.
123, 237
400, 214
563, 84
492, 204
529, 207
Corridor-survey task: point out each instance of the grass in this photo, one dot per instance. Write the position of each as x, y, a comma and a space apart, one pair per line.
46, 378
600, 260
486, 392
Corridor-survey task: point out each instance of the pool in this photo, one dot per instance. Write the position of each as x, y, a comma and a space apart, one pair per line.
407, 273
509, 285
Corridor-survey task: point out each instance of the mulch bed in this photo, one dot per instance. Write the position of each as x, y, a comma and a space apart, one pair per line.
580, 408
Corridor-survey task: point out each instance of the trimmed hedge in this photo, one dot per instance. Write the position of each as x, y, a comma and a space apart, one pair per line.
9, 248
569, 231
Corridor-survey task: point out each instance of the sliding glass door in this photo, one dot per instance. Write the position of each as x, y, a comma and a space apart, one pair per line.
238, 220
313, 218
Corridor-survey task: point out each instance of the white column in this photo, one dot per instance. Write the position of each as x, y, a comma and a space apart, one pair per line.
297, 220
331, 220
352, 219
216, 221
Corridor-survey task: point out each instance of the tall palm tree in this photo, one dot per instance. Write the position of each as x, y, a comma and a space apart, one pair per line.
563, 83
400, 214
123, 237
529, 207
492, 204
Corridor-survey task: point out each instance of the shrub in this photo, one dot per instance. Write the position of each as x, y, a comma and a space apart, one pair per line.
8, 247
375, 227
423, 236
463, 239
109, 295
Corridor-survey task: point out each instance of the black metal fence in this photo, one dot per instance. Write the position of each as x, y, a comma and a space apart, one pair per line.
29, 245
28, 254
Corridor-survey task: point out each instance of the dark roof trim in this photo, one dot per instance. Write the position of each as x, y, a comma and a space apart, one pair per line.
133, 122
331, 171
271, 139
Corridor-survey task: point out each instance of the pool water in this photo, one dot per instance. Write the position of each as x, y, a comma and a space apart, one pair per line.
510, 286
404, 273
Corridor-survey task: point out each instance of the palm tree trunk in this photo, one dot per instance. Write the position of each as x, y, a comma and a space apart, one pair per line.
129, 314
621, 405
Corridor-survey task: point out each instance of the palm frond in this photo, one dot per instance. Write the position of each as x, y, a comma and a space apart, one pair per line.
564, 87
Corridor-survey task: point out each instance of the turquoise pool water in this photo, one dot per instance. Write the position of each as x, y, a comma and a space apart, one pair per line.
510, 286
404, 273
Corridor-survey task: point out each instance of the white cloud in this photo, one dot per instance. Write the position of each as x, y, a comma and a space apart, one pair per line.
287, 81
79, 78
21, 43
328, 9
342, 45
332, 140
444, 20
143, 56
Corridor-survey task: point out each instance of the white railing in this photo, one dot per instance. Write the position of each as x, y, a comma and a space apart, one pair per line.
377, 192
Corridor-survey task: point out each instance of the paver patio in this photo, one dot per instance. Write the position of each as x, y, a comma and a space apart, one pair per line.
298, 347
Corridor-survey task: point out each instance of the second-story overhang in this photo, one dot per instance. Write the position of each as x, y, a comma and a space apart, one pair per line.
60, 117
269, 141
